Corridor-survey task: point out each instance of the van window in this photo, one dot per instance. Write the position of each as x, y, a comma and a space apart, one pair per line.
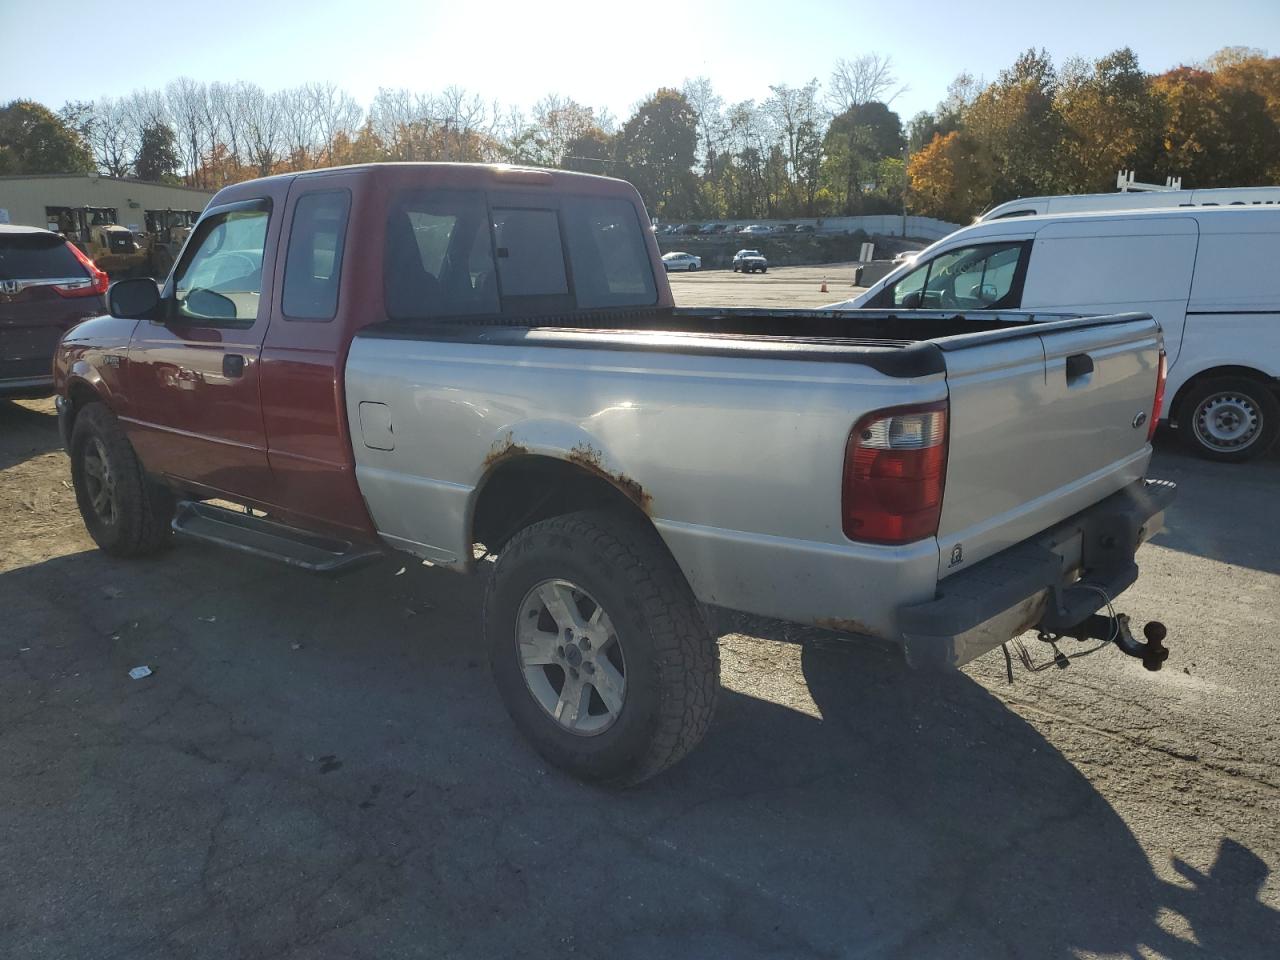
981, 277
314, 260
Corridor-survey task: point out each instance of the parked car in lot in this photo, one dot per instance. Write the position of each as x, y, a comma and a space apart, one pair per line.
1207, 274
681, 261
755, 230
750, 261
804, 228
47, 286
434, 359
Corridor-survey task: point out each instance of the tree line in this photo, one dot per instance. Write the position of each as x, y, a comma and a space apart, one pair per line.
808, 150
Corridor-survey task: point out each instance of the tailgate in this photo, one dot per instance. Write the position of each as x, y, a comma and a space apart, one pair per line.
1042, 425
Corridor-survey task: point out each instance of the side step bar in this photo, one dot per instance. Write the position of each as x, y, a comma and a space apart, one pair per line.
266, 538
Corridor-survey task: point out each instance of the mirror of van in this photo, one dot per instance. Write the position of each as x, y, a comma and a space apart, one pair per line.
134, 299
911, 301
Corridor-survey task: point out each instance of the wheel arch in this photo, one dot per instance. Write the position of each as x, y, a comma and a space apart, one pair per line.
523, 488
80, 392
1211, 373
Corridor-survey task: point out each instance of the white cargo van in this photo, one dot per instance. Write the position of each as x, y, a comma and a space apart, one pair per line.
1106, 202
1209, 275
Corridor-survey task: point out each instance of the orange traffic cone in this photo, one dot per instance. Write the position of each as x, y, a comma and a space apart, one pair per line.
823, 288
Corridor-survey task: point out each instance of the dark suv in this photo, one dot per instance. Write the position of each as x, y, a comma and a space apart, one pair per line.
47, 286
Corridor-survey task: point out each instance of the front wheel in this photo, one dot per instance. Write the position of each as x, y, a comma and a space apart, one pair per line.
1230, 419
125, 513
598, 648
693, 267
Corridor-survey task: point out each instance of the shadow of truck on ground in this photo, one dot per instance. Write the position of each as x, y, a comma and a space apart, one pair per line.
321, 768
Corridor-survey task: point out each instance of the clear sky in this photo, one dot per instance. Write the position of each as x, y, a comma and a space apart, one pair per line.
599, 53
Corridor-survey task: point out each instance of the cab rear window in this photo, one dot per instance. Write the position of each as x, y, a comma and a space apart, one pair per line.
37, 256
455, 253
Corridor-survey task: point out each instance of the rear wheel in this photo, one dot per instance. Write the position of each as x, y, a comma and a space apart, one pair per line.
126, 514
598, 648
1230, 419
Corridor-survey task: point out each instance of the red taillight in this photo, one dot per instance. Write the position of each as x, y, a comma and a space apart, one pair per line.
894, 466
92, 286
1162, 374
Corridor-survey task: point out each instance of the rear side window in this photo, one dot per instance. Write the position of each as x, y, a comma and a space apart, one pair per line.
37, 256
611, 265
314, 262
439, 257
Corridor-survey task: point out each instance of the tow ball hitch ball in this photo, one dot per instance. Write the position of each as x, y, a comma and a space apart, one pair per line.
1153, 653
1157, 653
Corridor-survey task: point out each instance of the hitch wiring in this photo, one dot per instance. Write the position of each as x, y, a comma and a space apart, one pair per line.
1060, 660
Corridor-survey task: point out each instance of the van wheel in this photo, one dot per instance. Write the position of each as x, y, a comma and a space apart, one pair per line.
1230, 419
126, 514
598, 648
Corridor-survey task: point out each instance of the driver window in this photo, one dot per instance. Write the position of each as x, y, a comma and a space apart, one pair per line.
967, 278
973, 278
222, 278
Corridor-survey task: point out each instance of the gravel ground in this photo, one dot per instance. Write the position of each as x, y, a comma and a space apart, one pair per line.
321, 768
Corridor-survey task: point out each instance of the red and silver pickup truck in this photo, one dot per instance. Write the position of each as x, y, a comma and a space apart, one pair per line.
483, 363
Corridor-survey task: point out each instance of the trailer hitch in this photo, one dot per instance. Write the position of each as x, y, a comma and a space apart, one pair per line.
1116, 630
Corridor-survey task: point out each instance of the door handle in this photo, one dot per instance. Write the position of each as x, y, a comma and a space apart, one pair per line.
1078, 365
232, 365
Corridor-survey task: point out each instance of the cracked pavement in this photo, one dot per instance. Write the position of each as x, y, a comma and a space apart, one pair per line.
321, 768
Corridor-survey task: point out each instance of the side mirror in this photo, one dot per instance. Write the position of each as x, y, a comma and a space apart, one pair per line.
912, 300
137, 298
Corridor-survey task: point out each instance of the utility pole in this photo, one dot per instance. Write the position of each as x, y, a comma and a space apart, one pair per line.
906, 181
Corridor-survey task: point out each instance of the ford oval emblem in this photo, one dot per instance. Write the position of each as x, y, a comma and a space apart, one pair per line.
1139, 419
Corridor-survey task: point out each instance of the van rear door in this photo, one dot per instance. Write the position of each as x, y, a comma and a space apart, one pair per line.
1044, 422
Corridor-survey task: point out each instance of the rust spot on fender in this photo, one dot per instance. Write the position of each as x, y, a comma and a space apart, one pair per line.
846, 626
504, 449
589, 458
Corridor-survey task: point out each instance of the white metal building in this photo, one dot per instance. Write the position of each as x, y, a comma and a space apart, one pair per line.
38, 201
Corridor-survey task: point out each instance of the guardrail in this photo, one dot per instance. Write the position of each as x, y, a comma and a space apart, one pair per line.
884, 225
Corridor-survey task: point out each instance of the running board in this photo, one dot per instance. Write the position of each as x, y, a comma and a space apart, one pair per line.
266, 538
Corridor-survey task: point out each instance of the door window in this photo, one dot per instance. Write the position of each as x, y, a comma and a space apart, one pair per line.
981, 277
221, 278
315, 255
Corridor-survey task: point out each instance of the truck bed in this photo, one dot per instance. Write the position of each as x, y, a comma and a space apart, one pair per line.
894, 343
